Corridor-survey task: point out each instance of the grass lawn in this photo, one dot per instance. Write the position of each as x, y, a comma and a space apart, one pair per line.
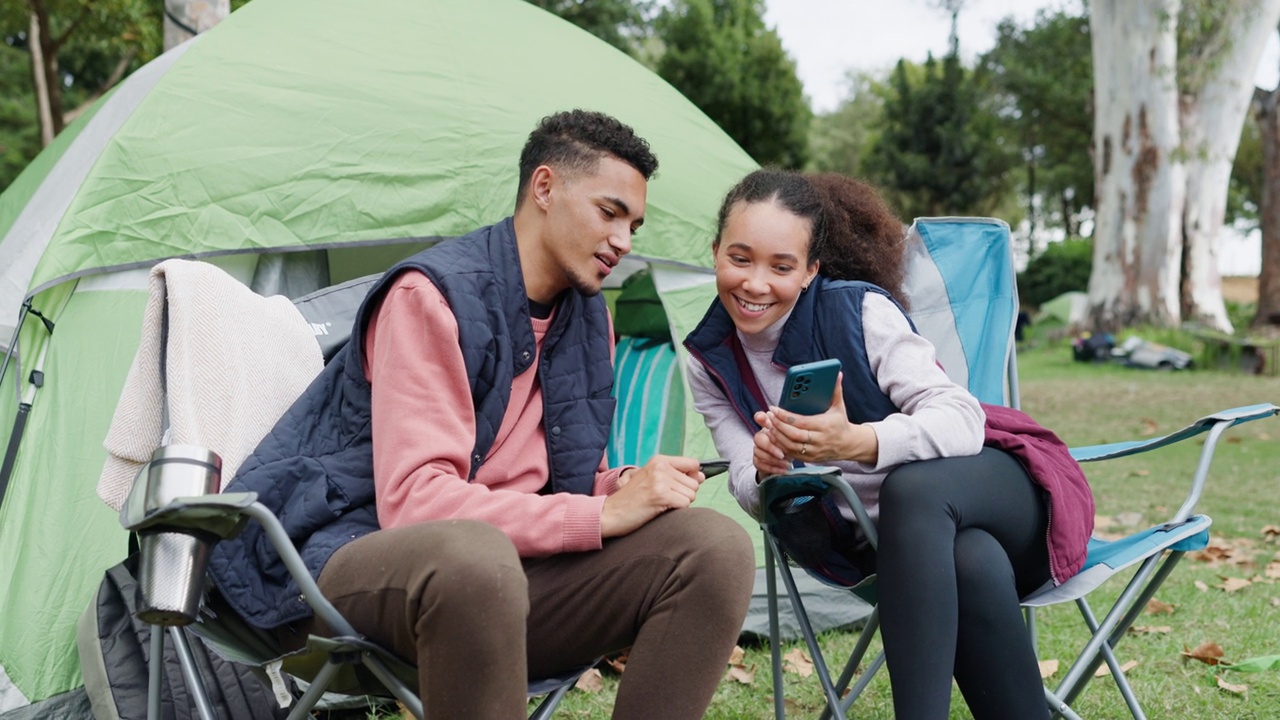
1087, 404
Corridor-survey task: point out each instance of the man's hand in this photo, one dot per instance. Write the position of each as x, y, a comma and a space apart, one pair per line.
664, 483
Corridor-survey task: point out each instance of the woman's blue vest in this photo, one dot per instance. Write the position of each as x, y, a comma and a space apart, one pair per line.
315, 468
825, 323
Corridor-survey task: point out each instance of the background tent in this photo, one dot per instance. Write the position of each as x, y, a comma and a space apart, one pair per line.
300, 143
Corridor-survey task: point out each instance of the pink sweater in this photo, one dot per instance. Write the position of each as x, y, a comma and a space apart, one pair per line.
424, 429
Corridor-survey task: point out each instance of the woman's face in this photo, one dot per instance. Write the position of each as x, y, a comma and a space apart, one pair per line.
760, 262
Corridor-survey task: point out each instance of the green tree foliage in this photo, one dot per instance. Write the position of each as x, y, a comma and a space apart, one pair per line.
96, 42
940, 151
19, 133
839, 140
1062, 267
1041, 80
624, 24
720, 54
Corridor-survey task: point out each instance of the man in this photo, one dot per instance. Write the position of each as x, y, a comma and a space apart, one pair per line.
446, 469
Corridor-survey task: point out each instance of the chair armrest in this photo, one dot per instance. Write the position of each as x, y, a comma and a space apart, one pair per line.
1232, 417
1214, 424
815, 479
222, 514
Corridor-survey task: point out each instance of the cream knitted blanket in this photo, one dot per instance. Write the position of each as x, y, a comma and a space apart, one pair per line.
235, 362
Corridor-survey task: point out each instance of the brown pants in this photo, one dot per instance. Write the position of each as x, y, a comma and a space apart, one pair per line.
454, 598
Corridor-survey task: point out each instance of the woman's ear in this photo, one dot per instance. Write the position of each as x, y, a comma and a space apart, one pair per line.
810, 273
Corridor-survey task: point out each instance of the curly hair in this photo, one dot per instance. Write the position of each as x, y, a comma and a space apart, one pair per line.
853, 232
575, 140
865, 238
790, 190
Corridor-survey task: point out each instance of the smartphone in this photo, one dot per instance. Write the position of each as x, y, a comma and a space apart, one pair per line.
809, 387
711, 468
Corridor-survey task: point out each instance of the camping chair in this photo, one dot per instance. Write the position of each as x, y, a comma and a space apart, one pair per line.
178, 514
960, 282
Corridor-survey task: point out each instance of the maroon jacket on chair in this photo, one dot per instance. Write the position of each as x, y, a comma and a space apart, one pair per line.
1050, 464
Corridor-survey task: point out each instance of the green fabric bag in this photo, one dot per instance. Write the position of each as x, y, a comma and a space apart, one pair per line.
639, 311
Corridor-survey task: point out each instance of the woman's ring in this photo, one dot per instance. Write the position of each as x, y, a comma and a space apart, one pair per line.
810, 439
804, 449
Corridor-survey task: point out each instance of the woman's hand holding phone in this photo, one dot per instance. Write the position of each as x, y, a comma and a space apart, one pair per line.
824, 437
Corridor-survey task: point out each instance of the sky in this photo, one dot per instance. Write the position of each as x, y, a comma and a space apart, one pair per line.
828, 37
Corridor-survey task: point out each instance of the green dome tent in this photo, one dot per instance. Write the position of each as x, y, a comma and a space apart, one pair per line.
298, 144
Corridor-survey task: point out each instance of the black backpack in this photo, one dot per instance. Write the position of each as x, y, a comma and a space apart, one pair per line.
115, 646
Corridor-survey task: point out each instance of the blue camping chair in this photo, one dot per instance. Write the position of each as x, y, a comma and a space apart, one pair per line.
960, 283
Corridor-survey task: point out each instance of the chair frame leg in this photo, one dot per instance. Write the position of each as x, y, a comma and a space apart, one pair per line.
190, 672
155, 673
806, 629
549, 703
771, 588
1107, 634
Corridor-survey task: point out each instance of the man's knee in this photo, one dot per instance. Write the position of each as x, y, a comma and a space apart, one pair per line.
709, 544
475, 562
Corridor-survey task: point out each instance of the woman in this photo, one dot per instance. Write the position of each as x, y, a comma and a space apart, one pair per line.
808, 268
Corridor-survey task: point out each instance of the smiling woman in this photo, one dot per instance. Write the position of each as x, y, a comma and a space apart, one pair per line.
959, 493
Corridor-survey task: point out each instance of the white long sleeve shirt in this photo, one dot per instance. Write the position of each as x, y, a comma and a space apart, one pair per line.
936, 418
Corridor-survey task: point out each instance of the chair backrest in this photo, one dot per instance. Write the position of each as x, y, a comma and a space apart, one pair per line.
960, 283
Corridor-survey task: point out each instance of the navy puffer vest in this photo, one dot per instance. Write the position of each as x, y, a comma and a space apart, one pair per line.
315, 468
825, 323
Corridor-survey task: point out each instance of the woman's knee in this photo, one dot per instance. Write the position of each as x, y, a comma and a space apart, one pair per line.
910, 488
982, 567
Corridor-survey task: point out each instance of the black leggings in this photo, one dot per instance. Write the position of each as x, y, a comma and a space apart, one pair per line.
961, 539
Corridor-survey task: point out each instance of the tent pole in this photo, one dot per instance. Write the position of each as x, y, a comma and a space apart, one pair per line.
20, 422
13, 344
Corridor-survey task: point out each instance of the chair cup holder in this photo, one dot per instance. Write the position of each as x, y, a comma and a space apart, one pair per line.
173, 560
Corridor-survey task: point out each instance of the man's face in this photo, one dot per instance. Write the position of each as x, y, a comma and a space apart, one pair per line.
591, 217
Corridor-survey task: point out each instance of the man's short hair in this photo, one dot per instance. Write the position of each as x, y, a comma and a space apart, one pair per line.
574, 141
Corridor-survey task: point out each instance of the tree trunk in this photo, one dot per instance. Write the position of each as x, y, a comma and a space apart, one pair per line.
44, 72
1211, 119
1140, 180
1266, 108
184, 19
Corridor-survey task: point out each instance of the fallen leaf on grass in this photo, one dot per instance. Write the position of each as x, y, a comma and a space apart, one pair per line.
1159, 607
1149, 426
1048, 668
1275, 602
1201, 586
1232, 584
1231, 687
1271, 533
735, 657
590, 681
619, 661
798, 662
743, 674
1209, 653
1150, 629
787, 703
1273, 570
1105, 670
